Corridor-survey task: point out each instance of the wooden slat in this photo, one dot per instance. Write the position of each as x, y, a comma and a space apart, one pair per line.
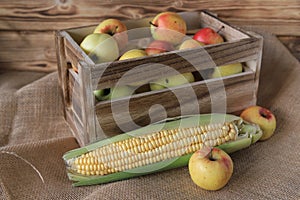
27, 50
238, 94
55, 14
74, 94
76, 127
35, 65
88, 101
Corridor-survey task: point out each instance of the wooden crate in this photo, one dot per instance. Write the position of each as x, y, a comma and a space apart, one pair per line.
91, 120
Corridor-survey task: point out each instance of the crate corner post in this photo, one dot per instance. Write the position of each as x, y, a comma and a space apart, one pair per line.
88, 103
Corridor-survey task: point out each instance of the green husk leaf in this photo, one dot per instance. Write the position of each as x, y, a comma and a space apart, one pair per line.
236, 145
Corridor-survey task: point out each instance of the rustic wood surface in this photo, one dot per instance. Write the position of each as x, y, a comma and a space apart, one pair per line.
60, 14
26, 27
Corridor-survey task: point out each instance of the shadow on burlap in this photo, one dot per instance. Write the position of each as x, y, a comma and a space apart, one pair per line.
32, 127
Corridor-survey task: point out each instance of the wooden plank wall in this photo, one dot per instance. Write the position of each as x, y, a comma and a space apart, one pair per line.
27, 26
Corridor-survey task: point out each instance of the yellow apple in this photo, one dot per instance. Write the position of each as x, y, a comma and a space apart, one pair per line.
210, 169
172, 81
190, 43
100, 47
134, 53
262, 117
227, 70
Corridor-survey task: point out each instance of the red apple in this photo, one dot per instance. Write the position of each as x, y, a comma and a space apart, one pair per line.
169, 27
115, 28
208, 36
210, 168
158, 46
262, 117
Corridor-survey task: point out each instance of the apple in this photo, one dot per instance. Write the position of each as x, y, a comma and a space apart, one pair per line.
169, 27
100, 47
114, 93
210, 168
172, 81
133, 53
208, 36
190, 43
262, 117
168, 81
227, 70
115, 28
158, 46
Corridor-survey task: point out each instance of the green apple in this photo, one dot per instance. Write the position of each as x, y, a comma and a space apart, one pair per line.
227, 70
172, 81
115, 93
210, 169
100, 47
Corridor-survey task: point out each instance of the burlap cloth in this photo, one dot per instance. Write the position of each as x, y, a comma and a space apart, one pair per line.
32, 127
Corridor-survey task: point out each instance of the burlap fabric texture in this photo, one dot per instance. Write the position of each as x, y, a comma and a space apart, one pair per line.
32, 127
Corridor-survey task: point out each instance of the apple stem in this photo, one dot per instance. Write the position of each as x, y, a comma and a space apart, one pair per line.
210, 155
153, 24
222, 27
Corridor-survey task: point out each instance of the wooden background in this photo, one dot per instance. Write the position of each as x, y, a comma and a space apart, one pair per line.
27, 26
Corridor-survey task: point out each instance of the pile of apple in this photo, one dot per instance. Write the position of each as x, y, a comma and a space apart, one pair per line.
212, 168
168, 30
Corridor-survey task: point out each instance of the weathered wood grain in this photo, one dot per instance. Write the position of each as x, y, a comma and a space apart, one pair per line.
76, 127
88, 101
61, 14
27, 50
139, 110
74, 94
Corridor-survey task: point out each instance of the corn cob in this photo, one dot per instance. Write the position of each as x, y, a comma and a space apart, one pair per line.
153, 148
